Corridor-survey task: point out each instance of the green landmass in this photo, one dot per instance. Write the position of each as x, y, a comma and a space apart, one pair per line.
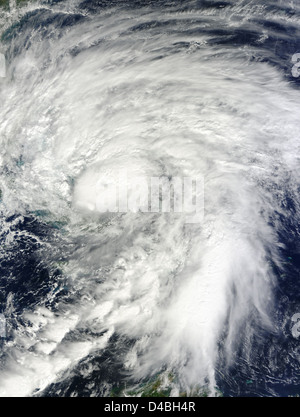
159, 386
5, 3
